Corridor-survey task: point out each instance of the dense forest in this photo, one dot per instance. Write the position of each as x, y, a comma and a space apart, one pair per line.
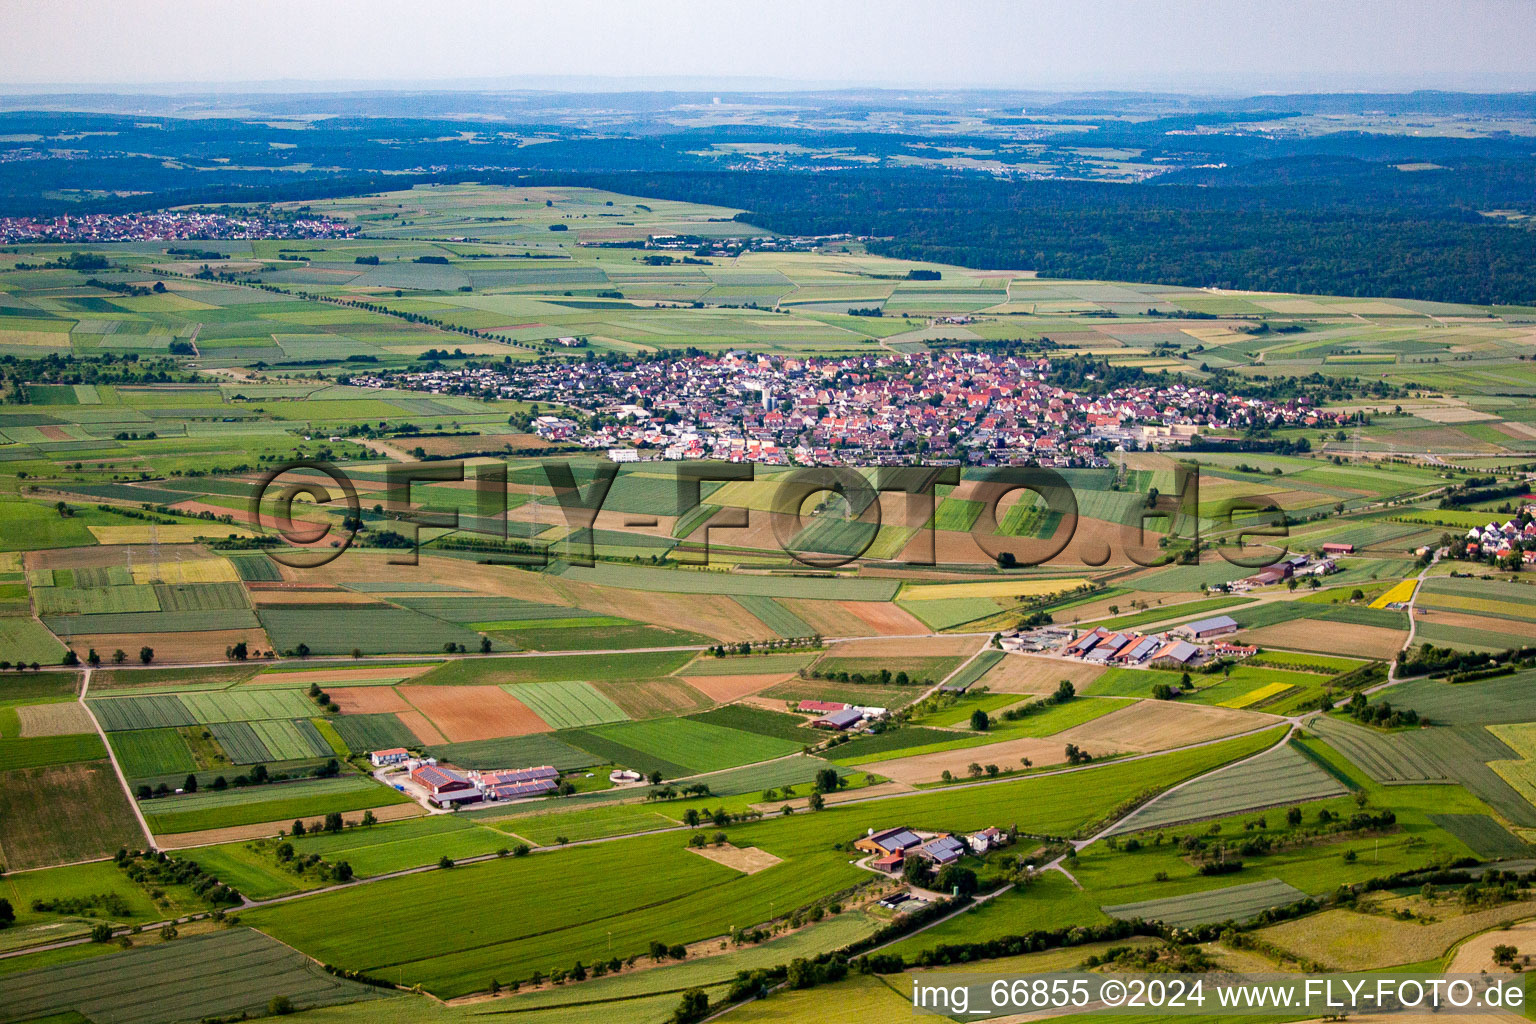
1326, 238
1343, 213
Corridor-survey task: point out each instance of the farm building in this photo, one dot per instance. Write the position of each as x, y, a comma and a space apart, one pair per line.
844, 719
1214, 626
941, 850
986, 839
821, 707
1178, 652
445, 786
1140, 651
1335, 548
1107, 648
513, 776
1087, 642
521, 790
394, 755
892, 841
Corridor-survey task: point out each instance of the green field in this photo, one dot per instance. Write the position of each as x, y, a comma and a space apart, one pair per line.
148, 752
567, 704
362, 733
513, 752
678, 746
25, 639
247, 705
64, 813
36, 752
372, 630
748, 718
276, 802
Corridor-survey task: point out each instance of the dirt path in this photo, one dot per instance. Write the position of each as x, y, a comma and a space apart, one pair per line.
85, 685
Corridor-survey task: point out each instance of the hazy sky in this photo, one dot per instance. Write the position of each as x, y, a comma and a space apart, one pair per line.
1257, 45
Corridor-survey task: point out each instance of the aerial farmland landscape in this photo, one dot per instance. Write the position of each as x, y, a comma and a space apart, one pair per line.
817, 529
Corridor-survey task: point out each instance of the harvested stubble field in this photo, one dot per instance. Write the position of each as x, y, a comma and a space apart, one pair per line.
1142, 727
1027, 673
464, 713
1280, 776
724, 688
1327, 637
652, 698
60, 719
1352, 941
175, 648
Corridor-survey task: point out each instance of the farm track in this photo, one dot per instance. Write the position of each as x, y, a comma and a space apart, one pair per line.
85, 686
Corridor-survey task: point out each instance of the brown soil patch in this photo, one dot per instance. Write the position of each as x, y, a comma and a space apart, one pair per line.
368, 700
421, 727
54, 433
507, 581
1158, 725
884, 617
1138, 728
173, 648
260, 830
54, 719
119, 554
1331, 638
1475, 956
473, 712
239, 515
724, 689
746, 859
709, 614
908, 647
478, 443
829, 618
1027, 673
930, 767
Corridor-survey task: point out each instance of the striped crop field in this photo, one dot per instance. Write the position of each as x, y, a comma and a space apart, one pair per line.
1234, 903
248, 705
1281, 776
156, 711
238, 972
1381, 758
567, 705
280, 740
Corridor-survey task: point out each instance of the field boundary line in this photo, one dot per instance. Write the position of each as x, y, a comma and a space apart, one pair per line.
85, 686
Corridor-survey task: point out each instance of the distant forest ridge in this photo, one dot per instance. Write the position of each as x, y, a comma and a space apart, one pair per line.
1333, 235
